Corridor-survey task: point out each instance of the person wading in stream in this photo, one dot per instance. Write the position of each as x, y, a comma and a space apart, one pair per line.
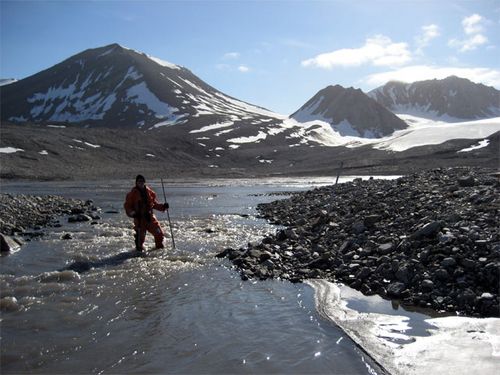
139, 204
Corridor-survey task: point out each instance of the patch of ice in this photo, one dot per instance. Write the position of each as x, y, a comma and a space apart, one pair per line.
457, 345
345, 128
432, 133
43, 152
308, 113
140, 94
251, 139
164, 63
91, 145
175, 120
132, 74
57, 126
71, 106
171, 80
424, 112
223, 132
481, 144
212, 127
9, 150
250, 108
151, 155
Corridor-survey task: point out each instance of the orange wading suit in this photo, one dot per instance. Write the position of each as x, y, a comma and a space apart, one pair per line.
139, 204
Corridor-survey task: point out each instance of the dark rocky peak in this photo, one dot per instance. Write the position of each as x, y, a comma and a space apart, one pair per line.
452, 98
114, 86
350, 112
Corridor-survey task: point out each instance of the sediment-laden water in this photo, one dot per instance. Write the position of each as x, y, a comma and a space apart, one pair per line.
168, 311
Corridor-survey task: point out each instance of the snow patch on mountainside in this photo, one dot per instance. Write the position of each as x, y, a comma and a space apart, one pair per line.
251, 139
69, 102
481, 144
140, 94
9, 150
212, 127
164, 63
308, 114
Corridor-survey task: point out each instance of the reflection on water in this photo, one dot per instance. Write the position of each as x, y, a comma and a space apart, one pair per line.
90, 304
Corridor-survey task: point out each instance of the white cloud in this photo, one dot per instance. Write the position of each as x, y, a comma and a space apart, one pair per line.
489, 77
243, 68
429, 32
231, 56
473, 28
472, 24
378, 51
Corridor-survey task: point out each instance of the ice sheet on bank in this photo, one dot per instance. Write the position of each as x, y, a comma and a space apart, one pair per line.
457, 345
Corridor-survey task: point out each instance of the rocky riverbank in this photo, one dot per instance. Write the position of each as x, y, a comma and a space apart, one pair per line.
26, 214
429, 239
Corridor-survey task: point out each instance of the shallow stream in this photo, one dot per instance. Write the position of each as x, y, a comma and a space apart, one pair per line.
169, 311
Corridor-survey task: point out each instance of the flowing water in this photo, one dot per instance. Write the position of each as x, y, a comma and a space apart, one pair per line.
168, 311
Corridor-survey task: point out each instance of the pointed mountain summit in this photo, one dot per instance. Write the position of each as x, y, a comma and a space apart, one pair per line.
452, 98
113, 86
350, 112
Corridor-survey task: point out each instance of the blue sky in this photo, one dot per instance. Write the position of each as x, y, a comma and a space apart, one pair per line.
276, 54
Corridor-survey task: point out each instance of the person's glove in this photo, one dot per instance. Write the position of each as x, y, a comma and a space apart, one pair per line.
165, 206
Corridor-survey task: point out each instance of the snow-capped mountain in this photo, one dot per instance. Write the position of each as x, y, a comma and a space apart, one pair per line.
112, 111
350, 112
114, 86
449, 99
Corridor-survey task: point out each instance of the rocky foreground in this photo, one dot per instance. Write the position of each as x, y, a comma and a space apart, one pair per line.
26, 214
429, 239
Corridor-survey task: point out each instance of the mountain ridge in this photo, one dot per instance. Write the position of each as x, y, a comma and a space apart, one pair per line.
450, 99
116, 86
350, 112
